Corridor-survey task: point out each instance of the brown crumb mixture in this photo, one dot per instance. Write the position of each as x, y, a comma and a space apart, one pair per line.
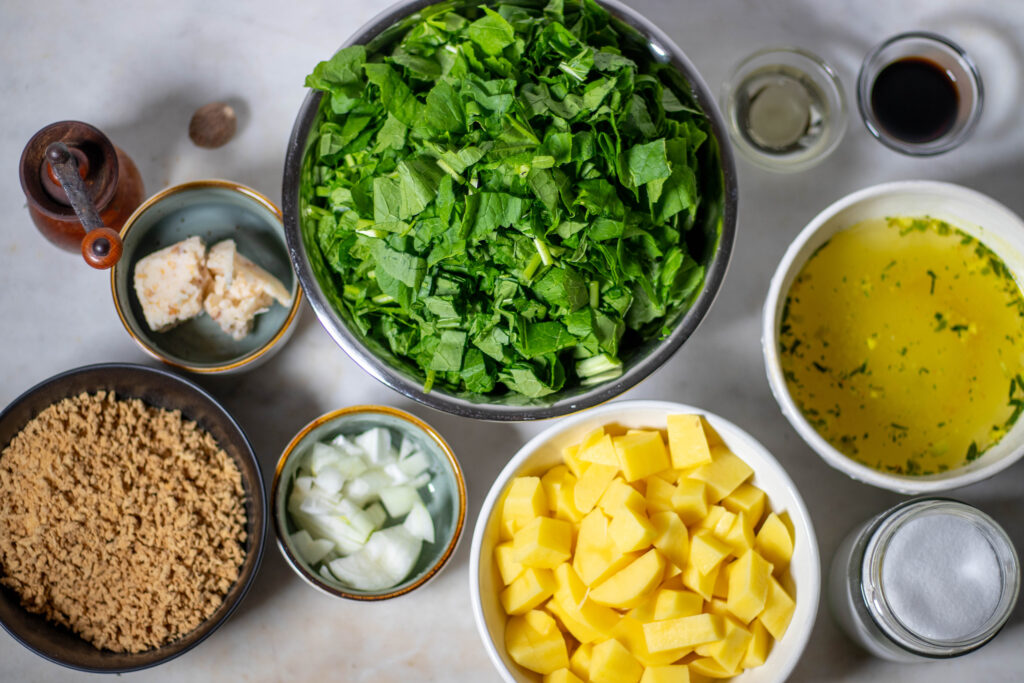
121, 521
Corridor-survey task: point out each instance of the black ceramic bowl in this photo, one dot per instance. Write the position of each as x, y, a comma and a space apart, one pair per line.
165, 390
716, 224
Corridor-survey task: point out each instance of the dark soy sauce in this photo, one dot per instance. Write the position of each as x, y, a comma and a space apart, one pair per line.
915, 100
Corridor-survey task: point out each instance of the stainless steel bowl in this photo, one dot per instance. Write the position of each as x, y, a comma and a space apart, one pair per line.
638, 363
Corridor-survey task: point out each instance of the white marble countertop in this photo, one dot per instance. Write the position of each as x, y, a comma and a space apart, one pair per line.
138, 70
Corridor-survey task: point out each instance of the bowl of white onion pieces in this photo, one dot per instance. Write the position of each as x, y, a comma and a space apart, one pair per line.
369, 503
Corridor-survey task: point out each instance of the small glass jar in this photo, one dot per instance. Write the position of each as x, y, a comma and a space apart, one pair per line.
784, 108
925, 57
929, 579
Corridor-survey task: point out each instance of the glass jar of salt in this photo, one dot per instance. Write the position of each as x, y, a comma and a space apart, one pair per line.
929, 579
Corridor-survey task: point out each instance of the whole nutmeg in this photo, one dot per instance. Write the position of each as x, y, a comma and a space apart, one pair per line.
213, 125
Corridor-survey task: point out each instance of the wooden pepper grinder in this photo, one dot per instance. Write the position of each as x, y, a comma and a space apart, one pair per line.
80, 189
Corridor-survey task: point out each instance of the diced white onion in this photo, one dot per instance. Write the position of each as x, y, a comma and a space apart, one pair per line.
343, 494
399, 499
309, 549
376, 514
376, 443
330, 479
322, 455
395, 473
419, 523
415, 464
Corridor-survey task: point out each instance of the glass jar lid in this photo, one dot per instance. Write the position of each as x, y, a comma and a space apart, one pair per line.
940, 577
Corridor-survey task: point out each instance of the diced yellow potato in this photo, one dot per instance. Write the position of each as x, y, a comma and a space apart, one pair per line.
706, 552
611, 662
671, 475
683, 632
670, 604
541, 622
719, 607
533, 587
749, 499
709, 522
687, 442
596, 557
559, 487
740, 535
671, 537
579, 663
543, 543
619, 495
644, 612
641, 454
590, 486
581, 576
536, 644
630, 632
748, 586
702, 584
562, 676
524, 501
596, 447
757, 651
706, 666
631, 530
630, 585
729, 651
774, 542
721, 589
565, 502
778, 609
724, 524
690, 501
671, 673
571, 456
509, 569
659, 495
582, 617
575, 621
723, 474
552, 480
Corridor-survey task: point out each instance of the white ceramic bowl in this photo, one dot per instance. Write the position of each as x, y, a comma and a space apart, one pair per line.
545, 450
976, 214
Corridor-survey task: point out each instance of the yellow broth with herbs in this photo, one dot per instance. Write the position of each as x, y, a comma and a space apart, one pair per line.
902, 343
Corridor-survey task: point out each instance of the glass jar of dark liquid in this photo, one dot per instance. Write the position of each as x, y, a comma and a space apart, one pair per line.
919, 93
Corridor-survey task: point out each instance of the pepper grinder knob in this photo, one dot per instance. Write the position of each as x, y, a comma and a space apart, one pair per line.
101, 246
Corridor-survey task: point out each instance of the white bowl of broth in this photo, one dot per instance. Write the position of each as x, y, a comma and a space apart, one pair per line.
893, 336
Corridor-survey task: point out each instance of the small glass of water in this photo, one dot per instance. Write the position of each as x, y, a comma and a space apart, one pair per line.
785, 109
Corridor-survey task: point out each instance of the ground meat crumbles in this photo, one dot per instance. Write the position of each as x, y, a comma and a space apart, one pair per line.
121, 521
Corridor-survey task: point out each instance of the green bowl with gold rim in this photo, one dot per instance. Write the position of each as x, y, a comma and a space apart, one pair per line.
444, 495
215, 210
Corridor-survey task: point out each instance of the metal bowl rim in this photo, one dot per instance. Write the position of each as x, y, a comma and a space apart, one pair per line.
438, 399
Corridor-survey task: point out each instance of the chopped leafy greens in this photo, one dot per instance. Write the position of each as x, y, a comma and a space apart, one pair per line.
504, 195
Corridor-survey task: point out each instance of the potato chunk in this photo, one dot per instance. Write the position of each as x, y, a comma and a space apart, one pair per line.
629, 586
535, 643
723, 474
687, 441
682, 632
641, 454
543, 543
610, 662
748, 586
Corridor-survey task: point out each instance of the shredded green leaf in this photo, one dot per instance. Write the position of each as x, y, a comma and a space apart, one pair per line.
505, 197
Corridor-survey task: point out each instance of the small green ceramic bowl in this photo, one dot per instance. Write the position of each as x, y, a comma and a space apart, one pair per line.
444, 495
215, 210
